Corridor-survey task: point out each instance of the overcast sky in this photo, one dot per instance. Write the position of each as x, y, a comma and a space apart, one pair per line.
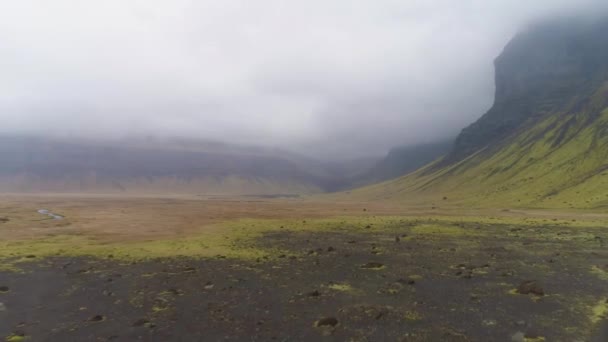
341, 77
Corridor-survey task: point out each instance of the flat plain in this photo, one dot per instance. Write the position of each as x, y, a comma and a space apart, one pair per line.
297, 269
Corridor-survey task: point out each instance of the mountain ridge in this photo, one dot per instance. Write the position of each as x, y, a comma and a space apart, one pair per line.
544, 142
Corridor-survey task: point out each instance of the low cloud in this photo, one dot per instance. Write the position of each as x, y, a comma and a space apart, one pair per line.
330, 78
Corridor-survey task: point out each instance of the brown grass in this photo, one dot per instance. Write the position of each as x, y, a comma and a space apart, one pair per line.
113, 218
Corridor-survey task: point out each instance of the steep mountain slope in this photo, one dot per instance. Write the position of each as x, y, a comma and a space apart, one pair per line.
59, 165
544, 143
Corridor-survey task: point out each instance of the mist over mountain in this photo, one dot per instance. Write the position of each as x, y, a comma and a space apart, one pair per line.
544, 142
558, 63
346, 79
273, 98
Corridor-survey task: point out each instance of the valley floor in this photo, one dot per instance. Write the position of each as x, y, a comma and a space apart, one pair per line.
208, 269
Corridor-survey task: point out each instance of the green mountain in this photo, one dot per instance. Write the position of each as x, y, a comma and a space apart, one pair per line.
544, 142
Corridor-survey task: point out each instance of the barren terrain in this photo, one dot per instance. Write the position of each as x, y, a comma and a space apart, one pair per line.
299, 269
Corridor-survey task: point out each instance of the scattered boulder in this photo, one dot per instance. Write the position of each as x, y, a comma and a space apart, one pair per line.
97, 318
327, 322
530, 287
314, 293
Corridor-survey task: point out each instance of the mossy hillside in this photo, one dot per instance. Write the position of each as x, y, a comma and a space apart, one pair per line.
544, 142
558, 163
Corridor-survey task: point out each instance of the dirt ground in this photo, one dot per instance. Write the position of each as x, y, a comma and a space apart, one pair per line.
378, 272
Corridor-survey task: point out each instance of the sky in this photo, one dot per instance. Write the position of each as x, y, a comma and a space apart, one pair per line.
329, 78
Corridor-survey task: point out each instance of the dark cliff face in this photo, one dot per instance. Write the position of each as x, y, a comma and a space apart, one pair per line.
547, 70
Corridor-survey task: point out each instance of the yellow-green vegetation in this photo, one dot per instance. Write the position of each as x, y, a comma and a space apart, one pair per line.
15, 338
535, 339
557, 163
441, 230
600, 272
341, 287
235, 239
412, 315
599, 311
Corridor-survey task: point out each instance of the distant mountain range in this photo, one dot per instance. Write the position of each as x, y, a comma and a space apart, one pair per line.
34, 164
544, 142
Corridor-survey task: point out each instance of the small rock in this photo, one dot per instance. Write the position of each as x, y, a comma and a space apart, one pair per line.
327, 322
4, 289
2, 307
330, 249
397, 239
530, 287
314, 293
97, 318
